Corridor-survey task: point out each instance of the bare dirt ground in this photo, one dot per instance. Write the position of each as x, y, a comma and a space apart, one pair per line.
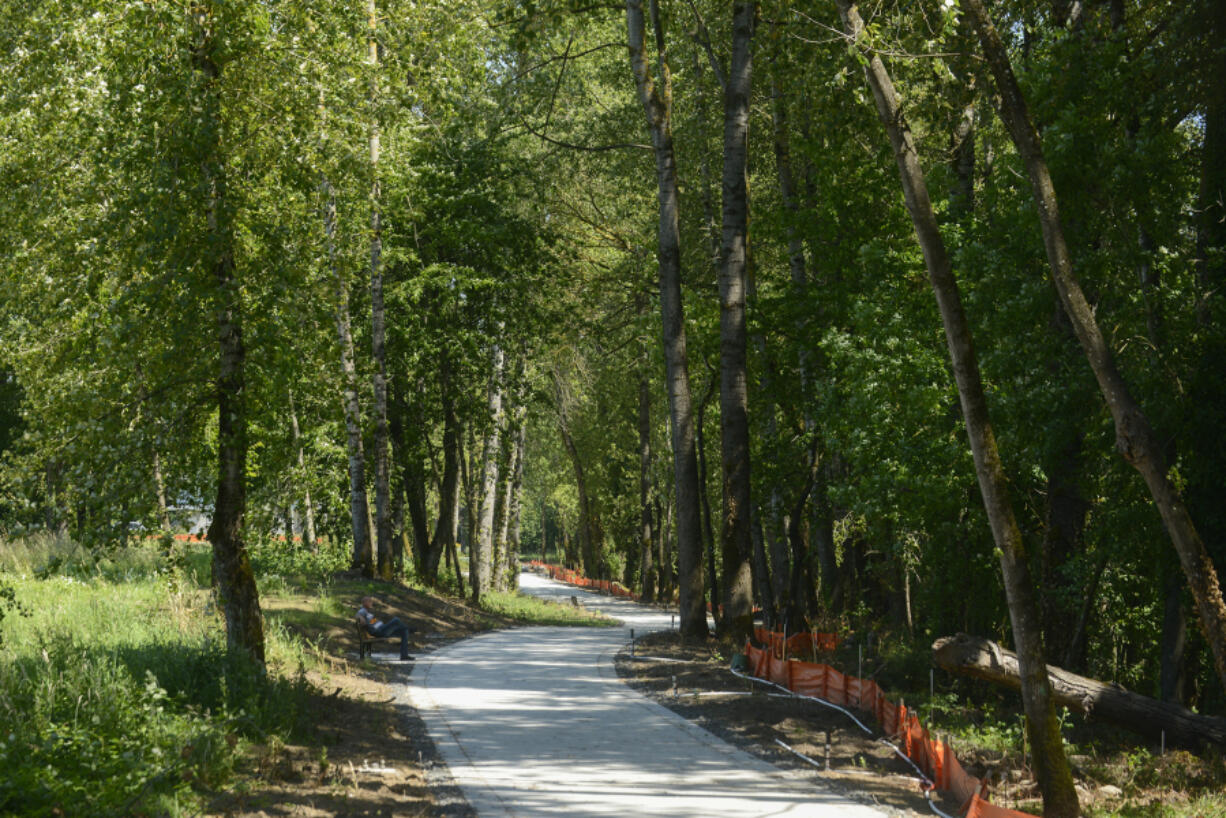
368, 755
1121, 777
694, 681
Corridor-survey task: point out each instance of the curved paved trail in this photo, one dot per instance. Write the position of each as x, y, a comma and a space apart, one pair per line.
535, 722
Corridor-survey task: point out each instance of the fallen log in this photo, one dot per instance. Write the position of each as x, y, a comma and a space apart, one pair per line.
984, 659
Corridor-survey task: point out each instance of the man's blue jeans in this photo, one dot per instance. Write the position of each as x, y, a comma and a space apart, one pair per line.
394, 627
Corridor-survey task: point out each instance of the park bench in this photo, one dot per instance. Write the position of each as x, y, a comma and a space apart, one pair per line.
366, 640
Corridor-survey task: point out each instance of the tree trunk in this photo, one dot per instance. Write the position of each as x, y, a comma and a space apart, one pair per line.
401, 541
445, 529
962, 148
736, 542
383, 520
413, 483
308, 508
1172, 679
764, 593
544, 518
648, 572
657, 104
455, 562
587, 546
467, 535
794, 603
481, 557
514, 501
502, 520
569, 558
232, 567
1052, 770
507, 505
823, 542
668, 577
708, 530
358, 511
1135, 438
984, 659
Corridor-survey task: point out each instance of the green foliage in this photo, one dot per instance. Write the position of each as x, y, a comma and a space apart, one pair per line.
45, 554
494, 233
120, 698
291, 560
9, 606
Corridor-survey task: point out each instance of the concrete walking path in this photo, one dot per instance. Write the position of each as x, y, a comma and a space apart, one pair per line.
535, 722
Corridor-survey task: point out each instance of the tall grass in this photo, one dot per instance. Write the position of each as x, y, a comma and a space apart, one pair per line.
533, 611
117, 693
55, 554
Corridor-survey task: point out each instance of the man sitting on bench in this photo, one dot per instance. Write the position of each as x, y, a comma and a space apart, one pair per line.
377, 626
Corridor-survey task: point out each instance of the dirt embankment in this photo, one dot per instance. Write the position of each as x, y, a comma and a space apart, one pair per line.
366, 755
369, 756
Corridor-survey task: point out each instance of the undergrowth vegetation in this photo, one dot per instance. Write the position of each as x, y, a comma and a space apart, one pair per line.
985, 725
117, 693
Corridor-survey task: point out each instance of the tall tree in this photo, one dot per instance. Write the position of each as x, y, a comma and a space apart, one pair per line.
482, 554
1051, 766
359, 509
656, 97
647, 571
1135, 437
231, 564
735, 541
446, 529
383, 520
308, 507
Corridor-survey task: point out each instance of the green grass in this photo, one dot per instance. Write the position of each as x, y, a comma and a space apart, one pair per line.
532, 611
47, 554
117, 694
1206, 806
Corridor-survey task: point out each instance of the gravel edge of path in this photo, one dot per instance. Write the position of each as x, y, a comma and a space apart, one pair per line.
449, 800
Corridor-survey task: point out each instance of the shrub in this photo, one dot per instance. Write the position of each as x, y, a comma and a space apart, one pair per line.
116, 698
293, 560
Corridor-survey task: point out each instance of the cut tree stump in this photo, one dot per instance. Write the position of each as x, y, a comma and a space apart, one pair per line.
984, 659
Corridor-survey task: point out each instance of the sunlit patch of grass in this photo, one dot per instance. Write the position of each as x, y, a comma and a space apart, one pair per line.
106, 613
532, 611
45, 554
117, 693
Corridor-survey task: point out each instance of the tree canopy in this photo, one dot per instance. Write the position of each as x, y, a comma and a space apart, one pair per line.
188, 221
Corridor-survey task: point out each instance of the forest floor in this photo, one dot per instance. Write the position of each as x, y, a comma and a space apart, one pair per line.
367, 755
1120, 776
693, 680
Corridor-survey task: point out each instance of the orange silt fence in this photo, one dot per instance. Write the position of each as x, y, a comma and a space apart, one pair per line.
800, 643
935, 759
773, 662
571, 577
